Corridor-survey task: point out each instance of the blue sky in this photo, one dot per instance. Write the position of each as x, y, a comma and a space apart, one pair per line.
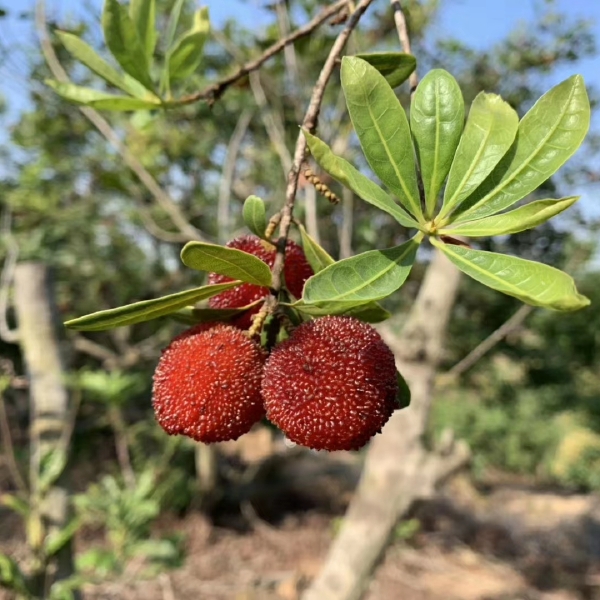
478, 23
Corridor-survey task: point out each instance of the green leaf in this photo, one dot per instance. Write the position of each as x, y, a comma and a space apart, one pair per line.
316, 255
548, 135
185, 55
52, 467
191, 316
85, 54
146, 310
531, 282
255, 216
525, 217
226, 261
403, 397
16, 504
382, 128
143, 15
437, 118
173, 23
57, 540
11, 576
489, 133
396, 67
123, 41
99, 100
342, 171
369, 276
369, 312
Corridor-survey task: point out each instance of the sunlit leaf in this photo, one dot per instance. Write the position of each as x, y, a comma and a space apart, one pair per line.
369, 276
186, 54
522, 218
226, 261
437, 118
548, 135
85, 54
382, 128
123, 41
99, 100
143, 15
255, 216
146, 310
396, 67
362, 186
489, 133
532, 282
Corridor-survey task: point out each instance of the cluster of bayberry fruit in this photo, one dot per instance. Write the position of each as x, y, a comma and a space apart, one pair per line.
331, 385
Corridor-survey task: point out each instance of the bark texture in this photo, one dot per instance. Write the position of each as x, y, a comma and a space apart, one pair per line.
398, 469
49, 407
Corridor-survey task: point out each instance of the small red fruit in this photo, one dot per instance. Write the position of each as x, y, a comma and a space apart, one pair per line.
207, 384
296, 271
332, 385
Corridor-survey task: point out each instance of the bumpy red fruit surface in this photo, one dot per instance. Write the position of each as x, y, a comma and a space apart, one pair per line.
207, 384
332, 385
296, 271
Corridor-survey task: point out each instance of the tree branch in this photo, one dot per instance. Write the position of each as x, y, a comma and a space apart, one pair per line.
486, 345
215, 91
103, 126
10, 336
402, 29
309, 123
233, 149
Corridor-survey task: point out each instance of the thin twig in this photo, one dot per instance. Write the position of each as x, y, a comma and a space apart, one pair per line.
486, 345
309, 123
10, 336
215, 91
402, 29
272, 122
233, 149
103, 126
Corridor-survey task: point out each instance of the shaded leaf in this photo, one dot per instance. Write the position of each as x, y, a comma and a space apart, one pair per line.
173, 23
522, 218
382, 128
437, 118
99, 100
489, 133
11, 576
369, 276
191, 316
403, 397
531, 282
396, 67
316, 255
226, 261
124, 43
255, 216
186, 54
369, 312
146, 310
143, 15
548, 135
362, 186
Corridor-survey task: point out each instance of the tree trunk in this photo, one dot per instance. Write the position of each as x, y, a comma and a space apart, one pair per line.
398, 469
49, 412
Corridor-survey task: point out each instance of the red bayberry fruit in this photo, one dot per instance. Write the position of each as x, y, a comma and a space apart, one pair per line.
207, 384
296, 271
332, 385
